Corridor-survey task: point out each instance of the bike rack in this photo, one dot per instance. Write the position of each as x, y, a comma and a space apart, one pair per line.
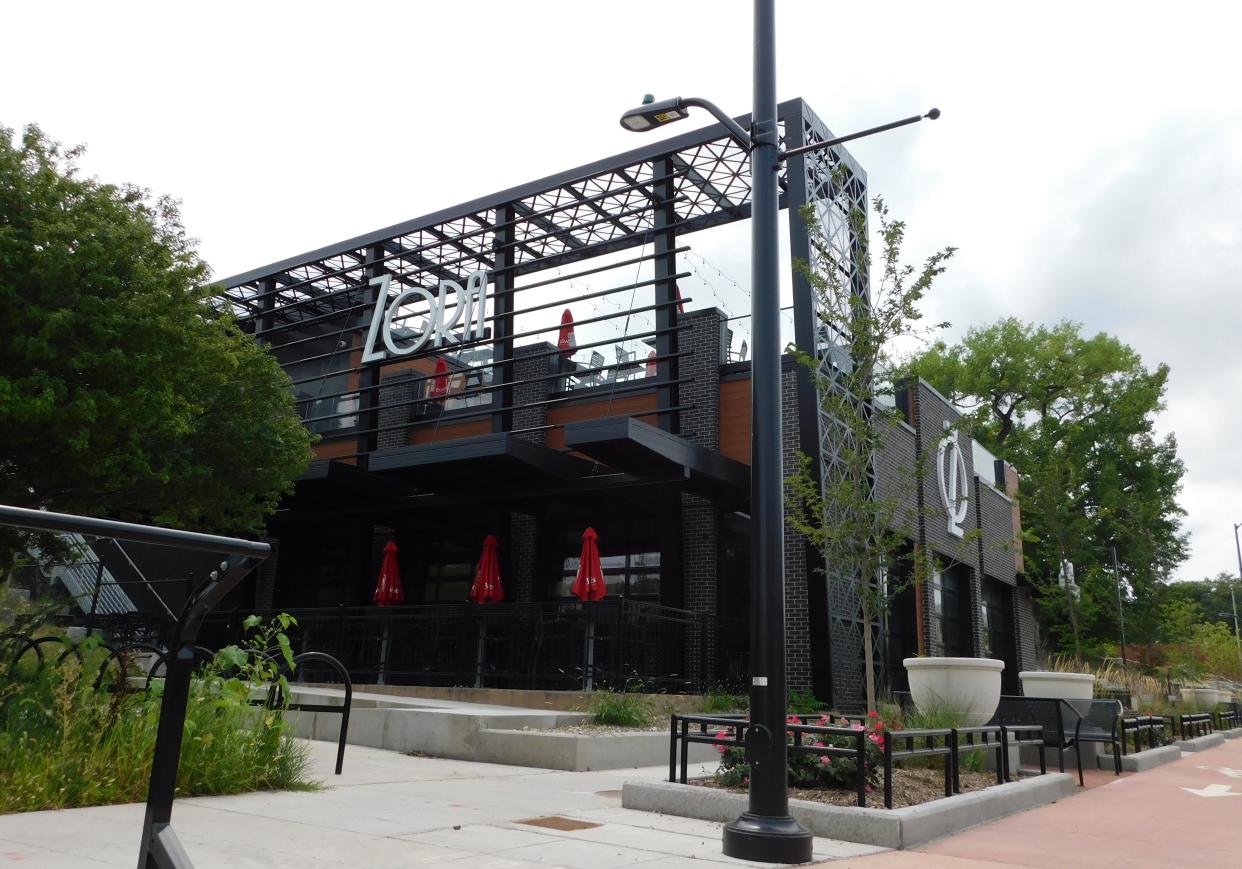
160, 848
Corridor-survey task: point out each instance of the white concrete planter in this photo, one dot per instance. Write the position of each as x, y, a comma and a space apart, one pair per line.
1223, 696
1204, 698
1066, 686
970, 686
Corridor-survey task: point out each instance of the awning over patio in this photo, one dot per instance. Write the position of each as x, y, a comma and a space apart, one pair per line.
630, 445
491, 461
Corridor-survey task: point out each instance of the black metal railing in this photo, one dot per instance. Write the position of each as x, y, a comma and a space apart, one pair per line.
727, 732
1228, 717
1135, 728
549, 645
1194, 725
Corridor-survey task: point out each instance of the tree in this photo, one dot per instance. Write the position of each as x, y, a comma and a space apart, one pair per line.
1075, 416
125, 390
859, 531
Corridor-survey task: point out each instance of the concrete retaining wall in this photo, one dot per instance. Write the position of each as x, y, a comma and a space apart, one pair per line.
1141, 761
1200, 743
895, 828
573, 751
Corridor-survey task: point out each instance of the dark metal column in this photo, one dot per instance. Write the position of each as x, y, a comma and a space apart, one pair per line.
502, 323
369, 376
797, 195
666, 294
766, 832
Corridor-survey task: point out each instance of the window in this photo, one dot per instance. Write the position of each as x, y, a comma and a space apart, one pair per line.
629, 556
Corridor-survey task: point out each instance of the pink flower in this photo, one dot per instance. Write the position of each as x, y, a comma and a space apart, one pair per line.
721, 734
793, 719
825, 760
819, 744
825, 720
857, 727
873, 714
868, 788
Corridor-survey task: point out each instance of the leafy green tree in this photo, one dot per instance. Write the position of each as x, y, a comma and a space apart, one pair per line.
859, 530
1074, 414
125, 391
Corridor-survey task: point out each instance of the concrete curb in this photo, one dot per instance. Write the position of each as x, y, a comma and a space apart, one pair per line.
580, 752
1236, 733
896, 828
1200, 743
1141, 761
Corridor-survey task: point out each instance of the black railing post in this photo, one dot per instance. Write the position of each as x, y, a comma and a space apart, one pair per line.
685, 758
672, 748
860, 749
888, 770
954, 756
90, 617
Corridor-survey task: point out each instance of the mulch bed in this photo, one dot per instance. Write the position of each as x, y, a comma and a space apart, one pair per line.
910, 788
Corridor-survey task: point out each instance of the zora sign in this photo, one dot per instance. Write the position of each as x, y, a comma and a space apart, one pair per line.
951, 470
470, 312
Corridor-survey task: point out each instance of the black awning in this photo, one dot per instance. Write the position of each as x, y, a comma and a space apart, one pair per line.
499, 460
636, 447
334, 477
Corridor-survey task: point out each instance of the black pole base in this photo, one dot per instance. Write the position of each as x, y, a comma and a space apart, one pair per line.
767, 839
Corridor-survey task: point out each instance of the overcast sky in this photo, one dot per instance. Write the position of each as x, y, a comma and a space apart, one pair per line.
1088, 164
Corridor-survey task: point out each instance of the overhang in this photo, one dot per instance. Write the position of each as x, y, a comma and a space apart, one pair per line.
492, 461
636, 447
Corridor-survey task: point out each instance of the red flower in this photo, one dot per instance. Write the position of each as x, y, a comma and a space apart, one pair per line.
873, 714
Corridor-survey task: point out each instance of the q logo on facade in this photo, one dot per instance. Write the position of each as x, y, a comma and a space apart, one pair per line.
470, 311
951, 469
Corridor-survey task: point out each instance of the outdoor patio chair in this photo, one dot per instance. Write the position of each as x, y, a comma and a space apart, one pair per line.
1095, 721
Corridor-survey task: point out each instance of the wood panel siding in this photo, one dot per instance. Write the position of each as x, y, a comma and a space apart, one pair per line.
339, 448
735, 419
598, 409
450, 431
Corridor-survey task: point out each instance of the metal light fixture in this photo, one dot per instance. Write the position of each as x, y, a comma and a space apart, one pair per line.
651, 114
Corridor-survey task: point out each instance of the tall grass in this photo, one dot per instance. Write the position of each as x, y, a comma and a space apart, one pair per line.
64, 743
620, 709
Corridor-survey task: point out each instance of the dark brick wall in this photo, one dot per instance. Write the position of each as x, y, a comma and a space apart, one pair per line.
265, 581
996, 547
798, 573
1024, 626
519, 581
527, 366
700, 517
396, 388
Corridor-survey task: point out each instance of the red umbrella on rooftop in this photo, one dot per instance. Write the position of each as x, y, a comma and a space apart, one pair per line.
565, 339
439, 386
487, 587
652, 368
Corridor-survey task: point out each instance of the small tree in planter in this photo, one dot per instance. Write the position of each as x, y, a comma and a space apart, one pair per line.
857, 529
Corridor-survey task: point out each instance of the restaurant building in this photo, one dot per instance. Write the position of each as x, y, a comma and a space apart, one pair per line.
533, 363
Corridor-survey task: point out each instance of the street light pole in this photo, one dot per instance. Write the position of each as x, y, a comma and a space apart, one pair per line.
766, 831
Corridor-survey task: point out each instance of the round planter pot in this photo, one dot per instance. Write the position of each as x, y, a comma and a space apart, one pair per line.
1066, 686
969, 686
1204, 698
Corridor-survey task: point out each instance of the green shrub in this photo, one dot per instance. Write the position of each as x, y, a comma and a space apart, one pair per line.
806, 770
620, 709
805, 703
716, 701
64, 743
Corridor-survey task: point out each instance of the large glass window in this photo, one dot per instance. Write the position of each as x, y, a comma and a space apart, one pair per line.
951, 596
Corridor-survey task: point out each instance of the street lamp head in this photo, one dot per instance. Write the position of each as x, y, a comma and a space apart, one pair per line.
933, 114
651, 114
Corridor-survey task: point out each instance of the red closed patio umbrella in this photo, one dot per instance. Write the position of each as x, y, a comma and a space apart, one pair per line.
589, 583
565, 339
588, 586
388, 592
486, 587
652, 368
439, 386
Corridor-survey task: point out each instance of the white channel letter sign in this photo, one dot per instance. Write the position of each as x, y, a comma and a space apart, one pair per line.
470, 312
951, 469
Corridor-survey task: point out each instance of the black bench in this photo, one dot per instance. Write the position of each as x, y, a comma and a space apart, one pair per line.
1066, 724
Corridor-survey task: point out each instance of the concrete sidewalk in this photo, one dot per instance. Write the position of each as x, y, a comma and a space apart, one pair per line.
392, 810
